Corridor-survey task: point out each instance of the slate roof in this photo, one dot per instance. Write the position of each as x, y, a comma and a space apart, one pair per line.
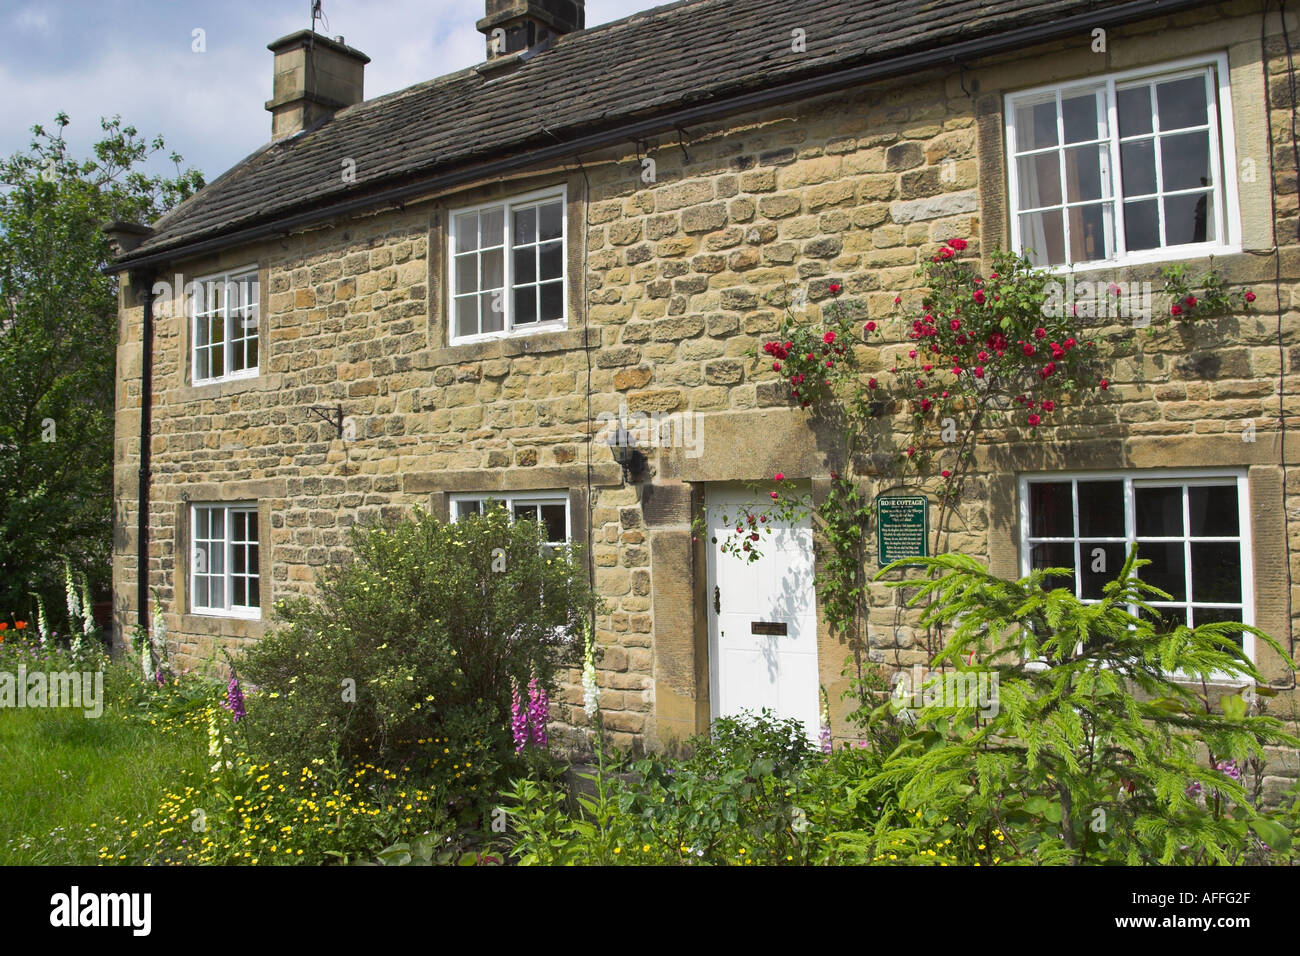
652, 62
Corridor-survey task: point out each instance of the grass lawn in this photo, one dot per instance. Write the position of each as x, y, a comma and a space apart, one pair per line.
65, 776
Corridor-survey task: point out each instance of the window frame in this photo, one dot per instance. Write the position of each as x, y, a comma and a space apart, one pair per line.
242, 612
1151, 477
227, 278
1222, 144
511, 498
508, 204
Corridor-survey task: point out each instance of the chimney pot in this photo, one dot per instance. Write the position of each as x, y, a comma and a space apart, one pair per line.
523, 24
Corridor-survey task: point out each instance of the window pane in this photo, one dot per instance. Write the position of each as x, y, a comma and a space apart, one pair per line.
1043, 237
550, 258
1213, 511
467, 273
1040, 180
466, 231
525, 225
1159, 511
525, 265
1101, 509
237, 524
1142, 225
1099, 563
550, 224
1051, 510
1088, 231
217, 522
494, 312
525, 305
1214, 615
237, 558
1187, 219
492, 227
240, 597
1083, 173
553, 520
467, 315
1036, 125
1166, 568
1079, 114
1216, 572
1054, 556
1185, 161
1165, 618
1138, 167
254, 586
525, 512
252, 527
1182, 103
552, 301
202, 592
1134, 105
493, 265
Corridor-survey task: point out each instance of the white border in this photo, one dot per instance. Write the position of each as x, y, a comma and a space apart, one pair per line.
225, 277
1222, 137
560, 192
1154, 477
246, 613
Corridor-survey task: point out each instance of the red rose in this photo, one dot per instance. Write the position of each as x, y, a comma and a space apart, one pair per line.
774, 496
958, 244
955, 324
1104, 384
779, 476
911, 353
828, 338
983, 356
753, 536
788, 346
979, 296
1027, 349
1176, 310
1190, 301
835, 287
810, 357
871, 383
1033, 420
1049, 405
945, 253
870, 327
898, 300
946, 472
979, 371
1250, 297
776, 366
911, 451
830, 363
1040, 333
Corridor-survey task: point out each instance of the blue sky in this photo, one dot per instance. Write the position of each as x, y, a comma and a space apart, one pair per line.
92, 58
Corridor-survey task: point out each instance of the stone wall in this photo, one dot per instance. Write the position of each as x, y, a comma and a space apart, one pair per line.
673, 285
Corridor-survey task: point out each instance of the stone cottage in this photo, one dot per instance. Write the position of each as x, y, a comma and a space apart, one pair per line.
454, 292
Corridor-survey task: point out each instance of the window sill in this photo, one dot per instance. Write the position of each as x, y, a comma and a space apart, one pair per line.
220, 388
507, 346
223, 625
1146, 262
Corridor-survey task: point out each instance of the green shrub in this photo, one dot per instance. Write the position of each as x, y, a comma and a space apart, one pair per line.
418, 637
754, 791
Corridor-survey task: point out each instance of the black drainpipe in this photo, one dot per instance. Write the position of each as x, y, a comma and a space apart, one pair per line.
145, 281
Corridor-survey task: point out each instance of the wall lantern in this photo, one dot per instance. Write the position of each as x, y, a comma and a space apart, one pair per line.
623, 447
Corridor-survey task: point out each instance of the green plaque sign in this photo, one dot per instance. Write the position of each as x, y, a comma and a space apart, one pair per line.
902, 527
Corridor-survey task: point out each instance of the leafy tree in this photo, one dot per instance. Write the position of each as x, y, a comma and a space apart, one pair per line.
1093, 752
58, 334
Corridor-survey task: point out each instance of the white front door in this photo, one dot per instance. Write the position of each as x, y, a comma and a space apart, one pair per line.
762, 618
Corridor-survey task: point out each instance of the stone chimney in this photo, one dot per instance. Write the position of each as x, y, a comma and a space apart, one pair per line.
524, 24
315, 77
